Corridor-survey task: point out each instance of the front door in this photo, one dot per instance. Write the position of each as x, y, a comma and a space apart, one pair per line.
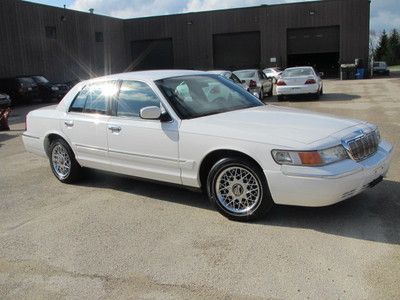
138, 147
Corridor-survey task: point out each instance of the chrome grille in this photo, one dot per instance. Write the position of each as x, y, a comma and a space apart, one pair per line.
362, 147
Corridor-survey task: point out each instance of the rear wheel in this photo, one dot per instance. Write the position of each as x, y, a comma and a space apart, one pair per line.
63, 162
238, 189
271, 91
261, 96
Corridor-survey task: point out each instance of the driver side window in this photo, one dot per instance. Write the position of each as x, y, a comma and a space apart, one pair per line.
133, 96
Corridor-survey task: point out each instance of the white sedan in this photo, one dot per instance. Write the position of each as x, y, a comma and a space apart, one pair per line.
200, 130
299, 81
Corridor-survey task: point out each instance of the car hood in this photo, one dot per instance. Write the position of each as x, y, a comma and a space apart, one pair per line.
273, 125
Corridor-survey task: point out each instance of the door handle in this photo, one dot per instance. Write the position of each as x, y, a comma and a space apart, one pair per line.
69, 123
114, 128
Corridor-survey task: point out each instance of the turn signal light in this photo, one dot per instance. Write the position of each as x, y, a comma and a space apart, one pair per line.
310, 158
280, 82
310, 81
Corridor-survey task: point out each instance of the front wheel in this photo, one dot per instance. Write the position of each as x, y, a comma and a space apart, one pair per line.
63, 162
238, 189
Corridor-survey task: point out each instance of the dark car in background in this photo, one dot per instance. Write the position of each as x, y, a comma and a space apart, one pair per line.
22, 89
5, 100
49, 90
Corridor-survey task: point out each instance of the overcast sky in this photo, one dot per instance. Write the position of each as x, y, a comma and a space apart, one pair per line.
385, 14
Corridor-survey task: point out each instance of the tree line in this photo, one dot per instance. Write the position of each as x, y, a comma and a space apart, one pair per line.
388, 48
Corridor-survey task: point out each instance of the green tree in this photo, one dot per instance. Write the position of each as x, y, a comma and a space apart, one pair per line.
393, 51
382, 49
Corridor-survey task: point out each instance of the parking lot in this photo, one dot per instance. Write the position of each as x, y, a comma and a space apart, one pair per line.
116, 237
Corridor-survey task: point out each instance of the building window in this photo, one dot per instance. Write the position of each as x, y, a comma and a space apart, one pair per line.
99, 37
51, 32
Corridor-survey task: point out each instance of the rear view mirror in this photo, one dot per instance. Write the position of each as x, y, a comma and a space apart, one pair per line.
150, 113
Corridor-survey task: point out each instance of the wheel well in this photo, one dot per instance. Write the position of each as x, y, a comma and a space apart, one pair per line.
49, 139
215, 156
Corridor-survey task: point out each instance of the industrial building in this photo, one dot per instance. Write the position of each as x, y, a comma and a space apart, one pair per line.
63, 44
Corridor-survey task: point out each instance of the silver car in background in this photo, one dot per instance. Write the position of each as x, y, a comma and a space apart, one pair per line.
273, 73
299, 81
259, 84
229, 75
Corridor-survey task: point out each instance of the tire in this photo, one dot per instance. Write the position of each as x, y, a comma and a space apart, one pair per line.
250, 177
316, 96
261, 94
58, 148
321, 92
280, 97
271, 91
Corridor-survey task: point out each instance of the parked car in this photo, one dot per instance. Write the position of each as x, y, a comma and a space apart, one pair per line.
273, 73
244, 154
229, 75
380, 67
258, 83
49, 90
299, 81
21, 89
5, 100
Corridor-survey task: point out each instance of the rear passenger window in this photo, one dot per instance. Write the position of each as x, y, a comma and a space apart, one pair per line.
134, 96
95, 98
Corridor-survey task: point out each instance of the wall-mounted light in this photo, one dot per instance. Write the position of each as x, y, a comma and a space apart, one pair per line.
189, 23
311, 12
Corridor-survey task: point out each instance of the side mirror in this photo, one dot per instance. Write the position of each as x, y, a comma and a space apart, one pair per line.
150, 113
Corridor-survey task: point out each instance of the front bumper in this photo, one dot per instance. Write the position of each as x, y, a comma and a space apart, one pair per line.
297, 90
322, 186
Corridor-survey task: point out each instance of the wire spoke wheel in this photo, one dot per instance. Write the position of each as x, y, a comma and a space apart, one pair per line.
61, 161
238, 190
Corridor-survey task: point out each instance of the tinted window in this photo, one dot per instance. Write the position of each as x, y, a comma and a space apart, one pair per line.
26, 80
95, 98
134, 96
245, 74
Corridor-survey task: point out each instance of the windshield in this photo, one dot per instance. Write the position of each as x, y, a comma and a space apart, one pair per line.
202, 95
245, 74
26, 80
297, 72
40, 79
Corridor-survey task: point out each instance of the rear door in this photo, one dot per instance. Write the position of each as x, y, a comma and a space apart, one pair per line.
86, 124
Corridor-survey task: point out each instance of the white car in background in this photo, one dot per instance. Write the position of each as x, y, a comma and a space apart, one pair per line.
299, 81
168, 126
229, 75
259, 84
273, 73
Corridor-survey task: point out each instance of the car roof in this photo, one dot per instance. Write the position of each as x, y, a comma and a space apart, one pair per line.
247, 70
152, 75
294, 68
218, 71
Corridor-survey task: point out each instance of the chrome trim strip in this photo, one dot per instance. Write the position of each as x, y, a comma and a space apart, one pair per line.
91, 147
31, 136
147, 156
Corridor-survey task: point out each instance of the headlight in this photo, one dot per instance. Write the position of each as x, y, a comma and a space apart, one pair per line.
310, 158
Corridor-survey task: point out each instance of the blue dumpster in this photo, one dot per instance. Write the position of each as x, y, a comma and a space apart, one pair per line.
360, 73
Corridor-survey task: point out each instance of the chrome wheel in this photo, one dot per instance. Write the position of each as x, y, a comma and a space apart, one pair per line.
61, 161
238, 190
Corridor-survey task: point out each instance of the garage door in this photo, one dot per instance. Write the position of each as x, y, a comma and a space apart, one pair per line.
318, 47
236, 50
313, 40
152, 54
